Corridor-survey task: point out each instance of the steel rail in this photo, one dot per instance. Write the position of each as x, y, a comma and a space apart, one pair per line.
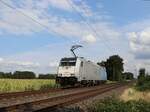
59, 100
37, 92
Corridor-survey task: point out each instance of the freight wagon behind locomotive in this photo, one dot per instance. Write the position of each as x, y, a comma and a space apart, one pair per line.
77, 70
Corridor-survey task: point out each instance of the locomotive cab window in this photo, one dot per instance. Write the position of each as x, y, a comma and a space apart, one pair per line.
67, 63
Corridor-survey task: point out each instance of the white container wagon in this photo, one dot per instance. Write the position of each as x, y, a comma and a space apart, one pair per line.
77, 70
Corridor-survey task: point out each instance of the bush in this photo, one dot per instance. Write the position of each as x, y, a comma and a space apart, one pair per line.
24, 75
128, 76
116, 105
18, 75
144, 87
5, 75
143, 83
47, 76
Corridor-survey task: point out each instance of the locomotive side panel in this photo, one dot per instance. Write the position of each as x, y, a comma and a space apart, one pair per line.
89, 71
92, 71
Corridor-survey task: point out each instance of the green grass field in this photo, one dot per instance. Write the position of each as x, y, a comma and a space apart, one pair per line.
15, 85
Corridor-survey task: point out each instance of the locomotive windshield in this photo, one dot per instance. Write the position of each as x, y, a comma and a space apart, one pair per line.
68, 62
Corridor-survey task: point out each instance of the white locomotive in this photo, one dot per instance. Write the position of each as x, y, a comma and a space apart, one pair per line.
77, 70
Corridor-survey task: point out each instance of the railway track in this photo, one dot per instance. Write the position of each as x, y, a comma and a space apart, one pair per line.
36, 92
27, 93
41, 105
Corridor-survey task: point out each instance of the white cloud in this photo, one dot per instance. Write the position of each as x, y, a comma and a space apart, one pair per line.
18, 24
137, 52
13, 22
48, 57
19, 63
67, 27
89, 38
132, 36
62, 4
43, 60
1, 59
140, 43
13, 65
144, 64
54, 64
23, 64
65, 5
145, 36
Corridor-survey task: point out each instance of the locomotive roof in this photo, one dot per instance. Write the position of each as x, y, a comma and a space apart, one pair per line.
73, 59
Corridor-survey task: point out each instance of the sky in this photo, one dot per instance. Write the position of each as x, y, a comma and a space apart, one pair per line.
36, 34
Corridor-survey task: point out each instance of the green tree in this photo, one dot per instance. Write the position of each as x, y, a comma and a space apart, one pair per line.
128, 76
5, 75
24, 75
2, 74
141, 73
114, 67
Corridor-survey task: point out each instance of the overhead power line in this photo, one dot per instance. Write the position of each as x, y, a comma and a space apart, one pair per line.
48, 28
32, 19
88, 24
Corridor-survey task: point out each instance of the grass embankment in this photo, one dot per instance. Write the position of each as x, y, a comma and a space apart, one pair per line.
133, 99
16, 85
111, 82
117, 105
134, 94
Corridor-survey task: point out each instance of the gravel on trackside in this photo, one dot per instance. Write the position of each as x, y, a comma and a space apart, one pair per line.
83, 104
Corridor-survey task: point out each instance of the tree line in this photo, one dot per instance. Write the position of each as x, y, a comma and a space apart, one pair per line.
114, 68
26, 75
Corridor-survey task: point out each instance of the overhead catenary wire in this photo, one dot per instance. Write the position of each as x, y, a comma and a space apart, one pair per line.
110, 44
46, 27
88, 24
85, 21
36, 21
